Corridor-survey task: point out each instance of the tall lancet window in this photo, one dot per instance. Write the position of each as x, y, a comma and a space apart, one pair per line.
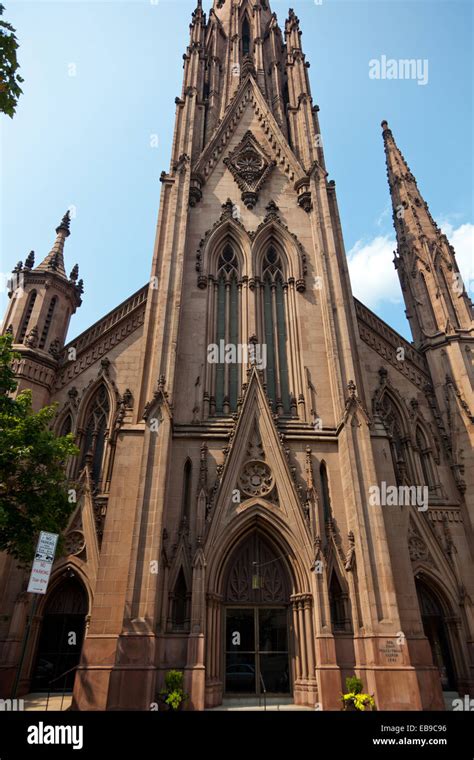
26, 317
186, 506
47, 322
428, 316
96, 424
227, 332
326, 499
275, 331
246, 37
424, 452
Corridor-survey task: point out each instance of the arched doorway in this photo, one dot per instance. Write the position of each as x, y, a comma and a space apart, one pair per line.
256, 625
61, 636
434, 626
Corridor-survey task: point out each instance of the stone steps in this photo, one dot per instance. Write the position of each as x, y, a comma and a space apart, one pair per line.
37, 701
273, 704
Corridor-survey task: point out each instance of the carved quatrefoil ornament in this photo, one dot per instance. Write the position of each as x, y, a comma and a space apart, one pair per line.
75, 542
250, 166
256, 479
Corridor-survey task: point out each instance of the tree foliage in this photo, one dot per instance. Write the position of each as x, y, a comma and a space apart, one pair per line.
34, 491
10, 89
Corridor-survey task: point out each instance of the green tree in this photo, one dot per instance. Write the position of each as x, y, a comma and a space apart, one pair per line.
34, 490
10, 89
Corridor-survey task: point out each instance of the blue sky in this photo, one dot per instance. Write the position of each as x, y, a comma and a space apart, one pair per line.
100, 82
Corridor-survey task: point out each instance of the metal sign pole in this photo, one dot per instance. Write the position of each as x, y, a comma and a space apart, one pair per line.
38, 584
25, 644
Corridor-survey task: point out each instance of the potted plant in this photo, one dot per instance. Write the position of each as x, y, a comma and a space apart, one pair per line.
173, 695
354, 699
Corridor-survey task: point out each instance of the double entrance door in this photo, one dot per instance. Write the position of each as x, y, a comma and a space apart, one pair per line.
256, 650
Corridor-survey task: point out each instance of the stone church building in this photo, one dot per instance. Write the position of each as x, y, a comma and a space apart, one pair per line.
236, 416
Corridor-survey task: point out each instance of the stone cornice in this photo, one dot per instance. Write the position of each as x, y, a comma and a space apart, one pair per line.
35, 367
102, 336
40, 277
385, 341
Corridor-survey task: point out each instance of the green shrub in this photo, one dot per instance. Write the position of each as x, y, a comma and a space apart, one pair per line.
355, 697
174, 680
173, 695
174, 699
354, 685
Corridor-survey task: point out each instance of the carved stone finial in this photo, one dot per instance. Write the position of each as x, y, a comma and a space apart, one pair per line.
228, 207
55, 348
272, 210
127, 398
352, 389
104, 366
65, 224
31, 340
350, 556
73, 393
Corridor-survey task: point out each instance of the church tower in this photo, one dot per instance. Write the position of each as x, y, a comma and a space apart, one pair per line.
239, 540
42, 301
274, 488
439, 311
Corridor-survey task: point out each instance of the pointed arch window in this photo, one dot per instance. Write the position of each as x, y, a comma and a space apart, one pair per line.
180, 604
338, 605
66, 427
227, 331
430, 322
325, 497
187, 480
424, 452
27, 316
449, 298
245, 37
47, 322
275, 331
96, 425
398, 441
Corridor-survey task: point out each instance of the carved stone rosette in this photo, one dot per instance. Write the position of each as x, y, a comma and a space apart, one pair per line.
250, 167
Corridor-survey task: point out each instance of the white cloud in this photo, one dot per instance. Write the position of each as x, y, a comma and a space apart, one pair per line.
462, 240
374, 278
385, 215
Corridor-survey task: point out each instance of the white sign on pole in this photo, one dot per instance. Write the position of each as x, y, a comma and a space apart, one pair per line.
43, 562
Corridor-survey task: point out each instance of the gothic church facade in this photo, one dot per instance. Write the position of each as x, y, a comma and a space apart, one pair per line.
224, 523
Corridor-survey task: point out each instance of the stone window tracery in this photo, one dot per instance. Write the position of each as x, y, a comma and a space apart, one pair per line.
95, 435
275, 330
226, 301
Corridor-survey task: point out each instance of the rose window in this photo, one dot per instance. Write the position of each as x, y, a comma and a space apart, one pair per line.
256, 479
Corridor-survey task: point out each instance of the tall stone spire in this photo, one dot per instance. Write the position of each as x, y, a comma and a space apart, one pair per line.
432, 286
54, 261
302, 114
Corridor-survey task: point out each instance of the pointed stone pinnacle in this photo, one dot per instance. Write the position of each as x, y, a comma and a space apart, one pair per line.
65, 224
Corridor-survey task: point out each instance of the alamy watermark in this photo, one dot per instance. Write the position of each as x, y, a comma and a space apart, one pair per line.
399, 496
403, 68
237, 353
